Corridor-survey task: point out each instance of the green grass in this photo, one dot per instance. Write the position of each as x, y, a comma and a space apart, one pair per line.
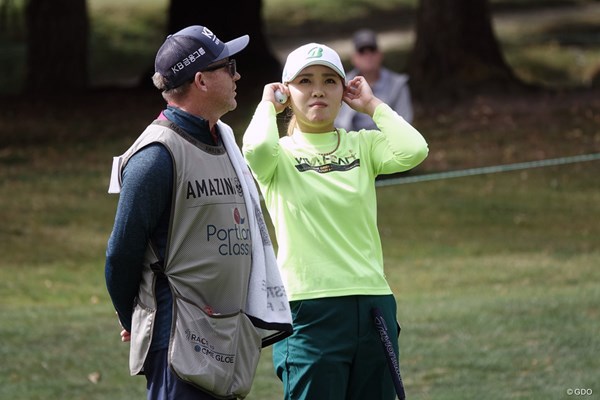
497, 282
496, 278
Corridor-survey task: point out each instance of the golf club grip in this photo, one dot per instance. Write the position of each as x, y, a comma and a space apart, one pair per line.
388, 351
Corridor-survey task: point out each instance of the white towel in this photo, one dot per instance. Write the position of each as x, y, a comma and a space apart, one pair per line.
267, 304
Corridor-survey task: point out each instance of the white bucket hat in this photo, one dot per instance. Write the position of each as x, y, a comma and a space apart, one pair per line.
311, 54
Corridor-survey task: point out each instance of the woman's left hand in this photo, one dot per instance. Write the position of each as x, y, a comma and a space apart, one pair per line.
359, 96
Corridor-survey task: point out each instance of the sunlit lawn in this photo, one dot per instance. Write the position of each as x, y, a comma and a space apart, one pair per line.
496, 278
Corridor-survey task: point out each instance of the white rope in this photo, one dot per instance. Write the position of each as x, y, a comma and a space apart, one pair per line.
488, 170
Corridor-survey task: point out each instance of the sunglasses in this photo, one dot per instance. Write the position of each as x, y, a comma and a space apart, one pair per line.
231, 67
367, 49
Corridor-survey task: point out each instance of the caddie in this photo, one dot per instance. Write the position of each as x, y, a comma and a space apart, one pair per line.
190, 268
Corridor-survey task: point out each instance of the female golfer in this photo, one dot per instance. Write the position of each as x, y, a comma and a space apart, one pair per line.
318, 183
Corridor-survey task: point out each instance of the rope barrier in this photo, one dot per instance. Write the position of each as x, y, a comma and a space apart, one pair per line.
488, 170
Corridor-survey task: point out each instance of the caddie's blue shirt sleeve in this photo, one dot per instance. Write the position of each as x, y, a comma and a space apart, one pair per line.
145, 193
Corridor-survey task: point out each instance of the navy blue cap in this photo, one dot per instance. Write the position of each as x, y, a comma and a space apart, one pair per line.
190, 50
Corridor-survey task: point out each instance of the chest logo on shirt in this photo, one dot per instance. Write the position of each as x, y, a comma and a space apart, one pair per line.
327, 163
232, 239
213, 187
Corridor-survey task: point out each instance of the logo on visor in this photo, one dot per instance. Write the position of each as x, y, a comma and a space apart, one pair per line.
315, 52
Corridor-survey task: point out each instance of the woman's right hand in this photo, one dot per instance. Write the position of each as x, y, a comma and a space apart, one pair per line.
269, 95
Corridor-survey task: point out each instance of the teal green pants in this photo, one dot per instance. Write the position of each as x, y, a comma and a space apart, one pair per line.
335, 352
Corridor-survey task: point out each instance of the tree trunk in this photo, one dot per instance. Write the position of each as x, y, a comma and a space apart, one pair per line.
57, 45
256, 63
7, 15
456, 50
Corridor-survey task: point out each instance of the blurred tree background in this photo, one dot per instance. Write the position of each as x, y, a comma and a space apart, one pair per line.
86, 56
57, 45
70, 45
456, 50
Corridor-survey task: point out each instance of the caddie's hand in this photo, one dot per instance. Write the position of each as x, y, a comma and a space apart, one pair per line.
359, 96
269, 95
125, 336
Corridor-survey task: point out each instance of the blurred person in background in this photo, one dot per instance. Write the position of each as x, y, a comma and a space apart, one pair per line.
391, 87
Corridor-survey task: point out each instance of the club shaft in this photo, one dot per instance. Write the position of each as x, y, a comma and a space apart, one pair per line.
388, 351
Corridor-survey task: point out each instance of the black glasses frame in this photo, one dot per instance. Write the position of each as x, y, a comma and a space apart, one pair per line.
367, 49
231, 67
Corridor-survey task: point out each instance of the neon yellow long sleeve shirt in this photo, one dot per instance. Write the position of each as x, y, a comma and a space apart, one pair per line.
323, 202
